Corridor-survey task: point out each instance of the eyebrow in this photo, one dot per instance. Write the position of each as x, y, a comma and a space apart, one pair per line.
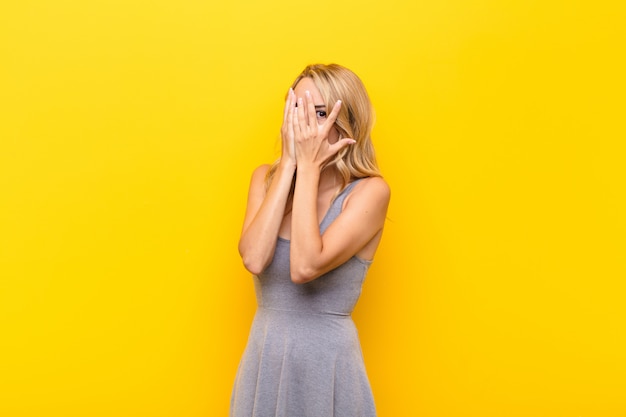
317, 106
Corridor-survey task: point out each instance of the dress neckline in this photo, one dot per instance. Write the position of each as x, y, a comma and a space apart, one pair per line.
348, 187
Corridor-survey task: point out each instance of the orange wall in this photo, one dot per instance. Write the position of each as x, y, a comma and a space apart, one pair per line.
128, 132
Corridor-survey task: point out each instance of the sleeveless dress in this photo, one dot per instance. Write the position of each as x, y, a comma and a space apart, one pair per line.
303, 357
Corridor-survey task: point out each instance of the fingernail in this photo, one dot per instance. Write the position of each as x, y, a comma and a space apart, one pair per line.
307, 93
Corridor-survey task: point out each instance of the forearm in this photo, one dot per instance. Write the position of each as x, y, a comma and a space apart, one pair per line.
306, 241
258, 239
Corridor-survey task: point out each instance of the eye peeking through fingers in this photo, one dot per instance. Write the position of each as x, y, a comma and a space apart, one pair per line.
320, 112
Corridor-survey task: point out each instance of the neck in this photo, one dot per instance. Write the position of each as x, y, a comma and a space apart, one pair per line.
330, 179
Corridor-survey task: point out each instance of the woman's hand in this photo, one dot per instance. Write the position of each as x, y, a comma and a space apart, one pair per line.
311, 138
287, 132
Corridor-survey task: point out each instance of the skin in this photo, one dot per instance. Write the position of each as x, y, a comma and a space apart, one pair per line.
309, 138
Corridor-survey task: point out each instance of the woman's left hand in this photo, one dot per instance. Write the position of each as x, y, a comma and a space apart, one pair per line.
311, 137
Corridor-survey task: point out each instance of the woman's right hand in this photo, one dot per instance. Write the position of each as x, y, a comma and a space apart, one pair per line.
287, 131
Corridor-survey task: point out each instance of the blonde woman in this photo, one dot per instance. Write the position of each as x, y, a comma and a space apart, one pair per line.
313, 222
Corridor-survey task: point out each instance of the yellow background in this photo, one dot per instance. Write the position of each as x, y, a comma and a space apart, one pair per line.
128, 132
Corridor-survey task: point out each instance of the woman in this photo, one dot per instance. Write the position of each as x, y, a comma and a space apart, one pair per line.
313, 222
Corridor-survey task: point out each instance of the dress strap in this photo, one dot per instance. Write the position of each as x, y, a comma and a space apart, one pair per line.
337, 204
349, 187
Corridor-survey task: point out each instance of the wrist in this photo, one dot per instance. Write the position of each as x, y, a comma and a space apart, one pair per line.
309, 172
309, 166
286, 167
287, 164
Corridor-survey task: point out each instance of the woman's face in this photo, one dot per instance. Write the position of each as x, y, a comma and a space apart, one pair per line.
320, 107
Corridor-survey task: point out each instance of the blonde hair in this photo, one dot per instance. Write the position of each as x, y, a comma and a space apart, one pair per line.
355, 120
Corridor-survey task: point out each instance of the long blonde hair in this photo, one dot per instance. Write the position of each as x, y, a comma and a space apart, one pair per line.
355, 120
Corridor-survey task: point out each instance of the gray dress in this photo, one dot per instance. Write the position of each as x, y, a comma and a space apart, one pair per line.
303, 357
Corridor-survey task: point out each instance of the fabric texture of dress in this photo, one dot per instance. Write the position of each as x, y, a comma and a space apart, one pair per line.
303, 357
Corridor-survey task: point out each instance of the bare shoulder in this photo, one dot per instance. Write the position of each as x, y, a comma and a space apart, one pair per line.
371, 192
256, 190
260, 172
258, 175
375, 186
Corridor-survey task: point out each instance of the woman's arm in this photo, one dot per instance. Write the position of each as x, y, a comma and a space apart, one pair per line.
265, 210
363, 216
264, 214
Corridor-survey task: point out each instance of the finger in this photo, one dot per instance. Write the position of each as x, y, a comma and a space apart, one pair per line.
340, 144
288, 104
301, 114
334, 113
290, 111
310, 109
332, 117
294, 117
292, 102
